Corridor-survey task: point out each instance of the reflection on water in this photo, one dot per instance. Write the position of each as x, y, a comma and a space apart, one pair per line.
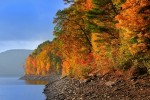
36, 82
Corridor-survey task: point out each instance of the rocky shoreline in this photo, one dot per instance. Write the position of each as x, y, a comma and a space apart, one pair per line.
101, 87
49, 78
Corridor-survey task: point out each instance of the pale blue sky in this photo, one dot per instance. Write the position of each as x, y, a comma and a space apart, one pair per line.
26, 23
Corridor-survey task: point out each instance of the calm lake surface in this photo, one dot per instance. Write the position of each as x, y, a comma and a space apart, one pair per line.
14, 89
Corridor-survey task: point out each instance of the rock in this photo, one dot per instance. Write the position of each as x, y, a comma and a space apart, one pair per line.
141, 89
110, 83
116, 89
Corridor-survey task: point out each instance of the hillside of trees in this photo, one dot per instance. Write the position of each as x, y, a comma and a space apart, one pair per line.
96, 37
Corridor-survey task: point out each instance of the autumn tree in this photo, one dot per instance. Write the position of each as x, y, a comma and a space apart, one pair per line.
105, 38
38, 63
75, 37
134, 26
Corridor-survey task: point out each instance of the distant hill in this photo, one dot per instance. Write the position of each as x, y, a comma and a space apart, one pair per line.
12, 61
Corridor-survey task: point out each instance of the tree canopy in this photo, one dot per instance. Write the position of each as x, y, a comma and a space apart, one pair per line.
95, 36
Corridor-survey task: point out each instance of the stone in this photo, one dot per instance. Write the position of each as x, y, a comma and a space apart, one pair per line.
110, 83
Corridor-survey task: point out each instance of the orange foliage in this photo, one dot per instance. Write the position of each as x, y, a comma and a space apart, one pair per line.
134, 19
79, 52
89, 4
38, 64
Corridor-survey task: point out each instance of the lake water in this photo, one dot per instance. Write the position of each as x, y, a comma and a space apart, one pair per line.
14, 89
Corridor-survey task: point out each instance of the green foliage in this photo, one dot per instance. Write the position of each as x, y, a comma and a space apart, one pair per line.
94, 13
101, 2
101, 15
95, 28
99, 41
133, 40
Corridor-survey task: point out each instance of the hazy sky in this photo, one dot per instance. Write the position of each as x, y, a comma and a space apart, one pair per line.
26, 23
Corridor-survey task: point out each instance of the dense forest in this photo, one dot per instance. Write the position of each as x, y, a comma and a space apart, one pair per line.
96, 36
